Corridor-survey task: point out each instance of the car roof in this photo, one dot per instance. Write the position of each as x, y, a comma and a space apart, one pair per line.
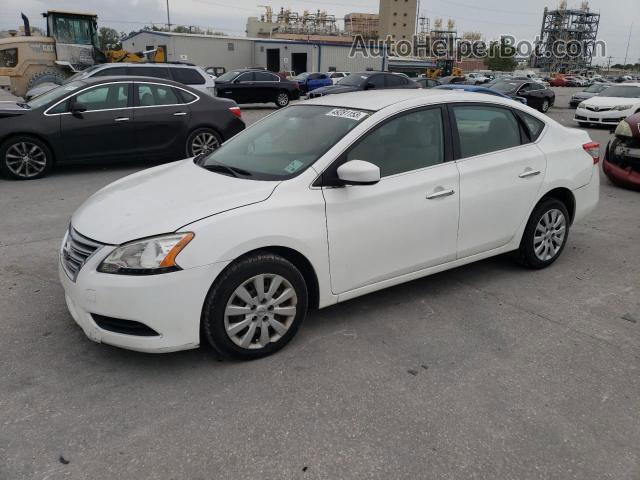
130, 78
147, 64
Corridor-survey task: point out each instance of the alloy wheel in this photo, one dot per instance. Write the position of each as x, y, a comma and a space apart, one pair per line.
260, 311
549, 235
283, 99
204, 142
545, 106
26, 159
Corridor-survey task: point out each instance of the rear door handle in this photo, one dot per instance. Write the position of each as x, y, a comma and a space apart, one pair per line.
439, 193
529, 173
121, 119
179, 114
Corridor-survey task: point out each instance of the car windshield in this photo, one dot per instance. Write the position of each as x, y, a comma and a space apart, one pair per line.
53, 95
505, 87
622, 92
302, 76
283, 144
227, 77
354, 80
596, 88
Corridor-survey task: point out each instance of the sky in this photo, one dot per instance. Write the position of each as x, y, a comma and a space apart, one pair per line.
492, 18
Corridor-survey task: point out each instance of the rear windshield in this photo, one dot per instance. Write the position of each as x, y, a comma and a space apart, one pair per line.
227, 77
354, 80
285, 143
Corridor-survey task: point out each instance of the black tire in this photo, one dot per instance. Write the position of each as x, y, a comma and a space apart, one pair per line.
526, 253
282, 99
202, 133
213, 313
31, 169
545, 106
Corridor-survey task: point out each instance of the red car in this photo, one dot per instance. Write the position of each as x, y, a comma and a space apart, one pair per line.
622, 158
559, 82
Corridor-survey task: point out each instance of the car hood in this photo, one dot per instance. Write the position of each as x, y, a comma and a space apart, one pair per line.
11, 109
163, 199
601, 101
335, 89
40, 89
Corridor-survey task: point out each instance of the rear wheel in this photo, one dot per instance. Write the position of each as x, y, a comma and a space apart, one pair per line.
255, 308
546, 234
25, 158
544, 108
282, 99
203, 141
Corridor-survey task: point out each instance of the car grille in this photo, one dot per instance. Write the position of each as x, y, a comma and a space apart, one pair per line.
598, 109
76, 250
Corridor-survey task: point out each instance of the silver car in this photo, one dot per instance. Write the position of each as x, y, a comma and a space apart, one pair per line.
588, 93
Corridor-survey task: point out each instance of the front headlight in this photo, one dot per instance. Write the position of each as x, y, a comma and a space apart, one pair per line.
147, 257
624, 130
581, 105
623, 107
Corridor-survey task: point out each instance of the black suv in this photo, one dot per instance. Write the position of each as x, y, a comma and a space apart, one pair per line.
256, 86
366, 81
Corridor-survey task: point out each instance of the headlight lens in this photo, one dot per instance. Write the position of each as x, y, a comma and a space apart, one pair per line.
623, 107
624, 130
581, 105
147, 257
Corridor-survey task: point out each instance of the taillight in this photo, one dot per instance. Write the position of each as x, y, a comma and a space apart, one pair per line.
236, 111
593, 149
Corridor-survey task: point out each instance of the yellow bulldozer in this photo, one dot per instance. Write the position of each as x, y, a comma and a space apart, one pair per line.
444, 68
70, 46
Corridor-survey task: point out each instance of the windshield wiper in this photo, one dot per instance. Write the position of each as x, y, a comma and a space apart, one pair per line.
232, 171
23, 105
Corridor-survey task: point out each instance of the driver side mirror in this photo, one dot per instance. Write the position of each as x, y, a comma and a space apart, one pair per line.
359, 172
77, 109
236, 81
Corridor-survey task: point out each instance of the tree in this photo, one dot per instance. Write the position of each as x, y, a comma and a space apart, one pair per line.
109, 39
501, 57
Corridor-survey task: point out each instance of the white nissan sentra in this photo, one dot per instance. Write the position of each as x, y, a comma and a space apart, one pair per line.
316, 204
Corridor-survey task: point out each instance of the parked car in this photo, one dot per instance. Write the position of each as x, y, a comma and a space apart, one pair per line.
256, 86
610, 107
365, 81
537, 95
234, 247
427, 82
588, 93
337, 76
480, 89
452, 79
112, 118
191, 75
477, 78
621, 161
214, 72
309, 81
560, 81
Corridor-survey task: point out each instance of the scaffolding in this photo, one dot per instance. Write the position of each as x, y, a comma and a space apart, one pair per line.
577, 27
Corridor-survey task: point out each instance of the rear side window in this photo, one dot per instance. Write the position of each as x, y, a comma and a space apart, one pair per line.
534, 126
188, 76
156, 72
264, 77
376, 80
186, 97
108, 72
151, 95
484, 129
395, 80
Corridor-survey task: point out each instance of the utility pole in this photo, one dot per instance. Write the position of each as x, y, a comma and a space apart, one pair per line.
168, 17
626, 55
609, 64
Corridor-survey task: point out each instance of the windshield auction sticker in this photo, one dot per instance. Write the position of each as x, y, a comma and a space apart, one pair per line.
345, 113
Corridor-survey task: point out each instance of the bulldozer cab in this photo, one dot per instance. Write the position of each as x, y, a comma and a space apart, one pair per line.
76, 37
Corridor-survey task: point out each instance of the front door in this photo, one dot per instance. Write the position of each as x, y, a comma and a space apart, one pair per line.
406, 222
101, 124
500, 176
273, 59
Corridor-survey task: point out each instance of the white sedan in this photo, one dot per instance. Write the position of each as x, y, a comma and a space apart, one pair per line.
316, 204
611, 106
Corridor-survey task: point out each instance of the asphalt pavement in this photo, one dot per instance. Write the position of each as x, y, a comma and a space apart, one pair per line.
488, 371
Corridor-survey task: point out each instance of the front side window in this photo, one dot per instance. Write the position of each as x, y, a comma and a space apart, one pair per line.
103, 97
187, 76
395, 81
9, 58
285, 143
228, 76
152, 95
407, 142
484, 129
246, 77
54, 95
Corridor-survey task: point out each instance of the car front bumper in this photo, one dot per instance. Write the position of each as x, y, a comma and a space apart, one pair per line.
170, 304
610, 117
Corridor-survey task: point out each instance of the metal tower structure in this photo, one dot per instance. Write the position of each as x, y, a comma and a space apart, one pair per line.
566, 27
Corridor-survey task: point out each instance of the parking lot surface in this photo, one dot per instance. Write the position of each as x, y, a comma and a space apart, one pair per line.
488, 371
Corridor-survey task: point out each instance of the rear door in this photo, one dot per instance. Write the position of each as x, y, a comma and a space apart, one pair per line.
104, 129
161, 120
501, 173
266, 87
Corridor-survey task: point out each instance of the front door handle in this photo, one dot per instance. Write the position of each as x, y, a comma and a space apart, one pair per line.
179, 114
439, 193
121, 119
529, 173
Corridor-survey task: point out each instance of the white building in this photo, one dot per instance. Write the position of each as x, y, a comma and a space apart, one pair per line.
241, 52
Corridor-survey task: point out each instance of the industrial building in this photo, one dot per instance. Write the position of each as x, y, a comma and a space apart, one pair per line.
242, 52
364, 24
562, 26
398, 19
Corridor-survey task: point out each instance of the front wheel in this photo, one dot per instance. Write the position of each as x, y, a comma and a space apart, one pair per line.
282, 99
255, 308
544, 108
546, 234
25, 158
203, 141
